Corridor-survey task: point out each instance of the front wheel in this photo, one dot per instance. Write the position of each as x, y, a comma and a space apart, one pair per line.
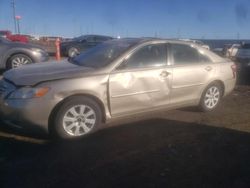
211, 97
72, 52
77, 117
18, 60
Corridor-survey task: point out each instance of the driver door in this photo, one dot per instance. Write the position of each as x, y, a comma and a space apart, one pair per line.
141, 82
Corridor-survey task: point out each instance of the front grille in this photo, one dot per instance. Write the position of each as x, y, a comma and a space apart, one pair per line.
6, 88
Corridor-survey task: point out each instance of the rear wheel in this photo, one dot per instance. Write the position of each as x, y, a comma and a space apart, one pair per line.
18, 60
77, 117
211, 97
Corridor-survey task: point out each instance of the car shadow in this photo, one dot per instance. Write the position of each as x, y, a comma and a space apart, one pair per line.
149, 153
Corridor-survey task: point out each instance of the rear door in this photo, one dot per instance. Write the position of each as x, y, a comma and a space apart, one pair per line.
142, 82
192, 70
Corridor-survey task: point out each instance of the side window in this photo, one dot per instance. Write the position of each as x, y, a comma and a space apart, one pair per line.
148, 56
185, 54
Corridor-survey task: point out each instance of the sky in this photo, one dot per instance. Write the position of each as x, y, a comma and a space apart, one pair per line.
203, 19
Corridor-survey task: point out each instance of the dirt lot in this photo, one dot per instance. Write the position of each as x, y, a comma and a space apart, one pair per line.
180, 148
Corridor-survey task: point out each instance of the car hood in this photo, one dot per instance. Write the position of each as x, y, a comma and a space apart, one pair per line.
42, 72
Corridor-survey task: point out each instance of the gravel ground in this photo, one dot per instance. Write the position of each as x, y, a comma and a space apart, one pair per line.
179, 148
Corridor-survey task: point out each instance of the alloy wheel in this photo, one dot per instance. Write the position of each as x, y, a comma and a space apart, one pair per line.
212, 97
79, 120
19, 61
73, 52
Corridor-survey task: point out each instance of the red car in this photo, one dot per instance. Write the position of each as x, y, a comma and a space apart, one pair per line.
15, 38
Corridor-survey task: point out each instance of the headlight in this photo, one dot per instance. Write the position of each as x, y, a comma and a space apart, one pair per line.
36, 51
27, 93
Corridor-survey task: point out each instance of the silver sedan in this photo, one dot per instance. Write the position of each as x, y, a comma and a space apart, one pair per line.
15, 54
115, 79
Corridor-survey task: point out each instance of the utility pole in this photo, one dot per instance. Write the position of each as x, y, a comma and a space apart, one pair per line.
13, 4
238, 36
18, 18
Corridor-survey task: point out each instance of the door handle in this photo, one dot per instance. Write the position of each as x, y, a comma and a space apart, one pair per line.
208, 68
164, 74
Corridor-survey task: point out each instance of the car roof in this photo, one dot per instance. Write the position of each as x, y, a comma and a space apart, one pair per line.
151, 39
93, 36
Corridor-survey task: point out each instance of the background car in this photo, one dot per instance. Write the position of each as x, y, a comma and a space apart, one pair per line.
15, 54
242, 57
77, 45
115, 79
5, 33
243, 52
14, 37
232, 50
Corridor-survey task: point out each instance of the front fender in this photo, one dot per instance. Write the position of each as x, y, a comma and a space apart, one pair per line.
94, 87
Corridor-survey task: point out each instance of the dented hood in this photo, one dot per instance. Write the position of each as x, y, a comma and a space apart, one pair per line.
41, 72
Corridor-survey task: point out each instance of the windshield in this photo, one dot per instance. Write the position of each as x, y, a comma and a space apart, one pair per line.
80, 37
104, 54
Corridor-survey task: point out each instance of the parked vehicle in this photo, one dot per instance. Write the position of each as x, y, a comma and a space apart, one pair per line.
5, 33
15, 54
243, 52
240, 53
242, 57
14, 37
74, 47
114, 79
232, 50
19, 38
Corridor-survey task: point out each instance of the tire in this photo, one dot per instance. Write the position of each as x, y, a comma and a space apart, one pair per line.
18, 60
211, 97
77, 117
73, 51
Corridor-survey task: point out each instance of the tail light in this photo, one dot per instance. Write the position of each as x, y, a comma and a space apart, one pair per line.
234, 69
